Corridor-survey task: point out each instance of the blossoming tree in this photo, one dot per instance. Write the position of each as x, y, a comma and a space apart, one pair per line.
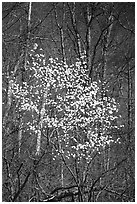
60, 98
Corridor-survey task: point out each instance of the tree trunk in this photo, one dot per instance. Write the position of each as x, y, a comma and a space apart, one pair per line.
129, 103
88, 42
60, 27
42, 113
106, 41
23, 71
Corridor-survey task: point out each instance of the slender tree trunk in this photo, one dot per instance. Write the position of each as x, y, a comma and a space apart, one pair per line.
20, 135
23, 71
28, 34
104, 75
129, 103
88, 42
60, 27
106, 41
62, 163
42, 114
76, 30
62, 174
77, 44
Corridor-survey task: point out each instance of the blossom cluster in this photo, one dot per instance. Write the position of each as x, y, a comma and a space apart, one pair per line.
73, 105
